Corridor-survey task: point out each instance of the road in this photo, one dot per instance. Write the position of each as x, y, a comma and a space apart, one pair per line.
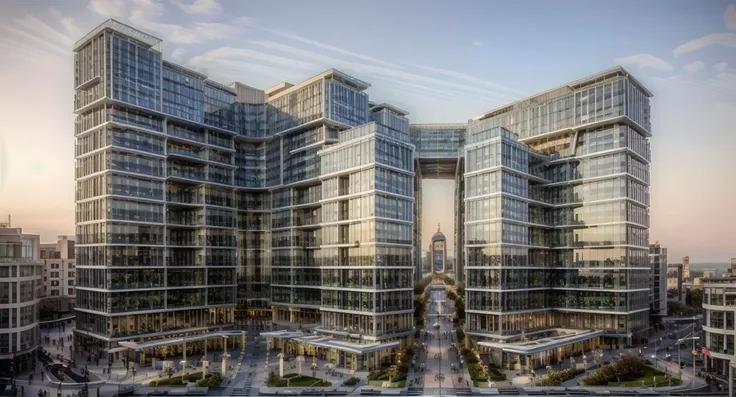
438, 335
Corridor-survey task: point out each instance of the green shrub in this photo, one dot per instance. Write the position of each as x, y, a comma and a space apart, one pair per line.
470, 358
625, 369
352, 381
213, 380
557, 378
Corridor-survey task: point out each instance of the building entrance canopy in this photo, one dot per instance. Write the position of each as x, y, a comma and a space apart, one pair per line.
330, 343
178, 341
562, 337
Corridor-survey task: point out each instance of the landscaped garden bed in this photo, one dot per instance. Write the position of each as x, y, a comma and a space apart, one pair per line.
557, 378
296, 380
629, 371
178, 380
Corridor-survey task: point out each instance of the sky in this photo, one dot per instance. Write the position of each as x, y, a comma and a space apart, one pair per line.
442, 61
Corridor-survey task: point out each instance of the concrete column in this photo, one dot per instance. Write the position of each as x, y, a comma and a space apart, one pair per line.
730, 380
224, 357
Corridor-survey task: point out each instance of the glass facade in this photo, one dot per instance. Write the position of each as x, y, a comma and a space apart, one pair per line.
198, 202
556, 213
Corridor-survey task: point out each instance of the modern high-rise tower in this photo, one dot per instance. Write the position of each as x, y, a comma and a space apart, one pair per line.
200, 203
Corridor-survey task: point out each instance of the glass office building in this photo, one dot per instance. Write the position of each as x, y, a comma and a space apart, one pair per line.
200, 205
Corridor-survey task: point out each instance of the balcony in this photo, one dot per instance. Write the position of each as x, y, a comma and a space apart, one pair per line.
186, 173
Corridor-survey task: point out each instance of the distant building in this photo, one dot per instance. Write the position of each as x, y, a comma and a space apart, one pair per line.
674, 278
710, 273
438, 252
733, 266
20, 284
59, 274
658, 280
686, 268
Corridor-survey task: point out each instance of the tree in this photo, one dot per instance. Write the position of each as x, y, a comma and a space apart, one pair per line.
694, 298
459, 309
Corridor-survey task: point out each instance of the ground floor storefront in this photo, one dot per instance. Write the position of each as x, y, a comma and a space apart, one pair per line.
540, 350
148, 351
21, 362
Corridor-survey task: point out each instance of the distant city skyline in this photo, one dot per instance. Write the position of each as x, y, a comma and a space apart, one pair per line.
437, 75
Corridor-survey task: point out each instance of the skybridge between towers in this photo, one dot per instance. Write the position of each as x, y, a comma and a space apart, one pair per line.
438, 154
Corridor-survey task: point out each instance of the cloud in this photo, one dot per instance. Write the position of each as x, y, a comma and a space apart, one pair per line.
107, 8
378, 70
177, 54
724, 81
722, 39
237, 54
55, 48
35, 39
730, 17
477, 43
44, 31
69, 25
200, 7
694, 66
645, 61
145, 13
721, 66
469, 78
367, 69
331, 48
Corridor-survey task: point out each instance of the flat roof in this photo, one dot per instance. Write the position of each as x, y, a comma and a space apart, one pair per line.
330, 343
331, 73
374, 107
567, 337
118, 26
573, 85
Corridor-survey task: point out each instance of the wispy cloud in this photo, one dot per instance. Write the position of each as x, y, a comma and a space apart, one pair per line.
469, 79
107, 8
33, 39
331, 48
724, 81
721, 66
44, 31
200, 7
49, 46
694, 67
178, 54
730, 17
146, 12
477, 43
722, 39
645, 61
367, 69
240, 54
69, 25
